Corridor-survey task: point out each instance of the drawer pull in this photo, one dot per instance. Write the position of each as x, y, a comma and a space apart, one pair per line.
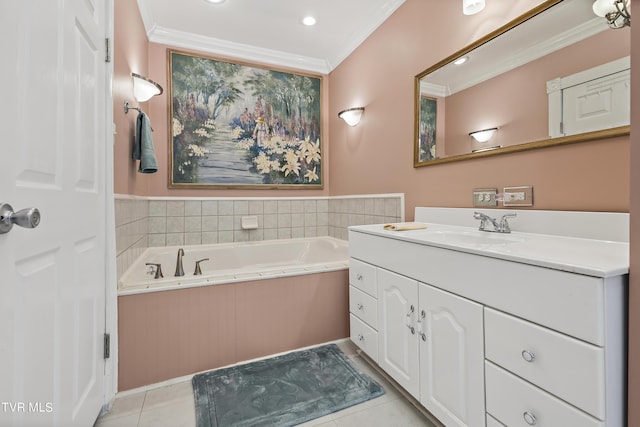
528, 356
360, 307
529, 418
360, 337
359, 277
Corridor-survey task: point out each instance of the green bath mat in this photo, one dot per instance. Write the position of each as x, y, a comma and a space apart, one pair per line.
282, 391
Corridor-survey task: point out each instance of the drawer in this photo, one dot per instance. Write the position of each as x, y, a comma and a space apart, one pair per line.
566, 367
363, 277
516, 403
364, 306
364, 337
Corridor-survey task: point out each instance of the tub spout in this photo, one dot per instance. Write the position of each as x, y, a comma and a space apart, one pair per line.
179, 269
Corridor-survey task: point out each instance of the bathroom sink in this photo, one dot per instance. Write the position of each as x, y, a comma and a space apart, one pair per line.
473, 237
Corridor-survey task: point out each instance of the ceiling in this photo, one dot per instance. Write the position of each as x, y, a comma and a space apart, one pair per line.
268, 31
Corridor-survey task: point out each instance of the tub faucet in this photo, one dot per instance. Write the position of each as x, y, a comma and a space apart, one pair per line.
179, 269
156, 270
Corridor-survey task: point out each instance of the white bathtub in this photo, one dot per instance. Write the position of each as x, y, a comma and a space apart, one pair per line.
235, 262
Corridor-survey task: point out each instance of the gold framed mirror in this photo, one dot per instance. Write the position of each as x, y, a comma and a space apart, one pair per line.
507, 84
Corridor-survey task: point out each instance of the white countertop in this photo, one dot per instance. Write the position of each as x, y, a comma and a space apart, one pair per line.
599, 258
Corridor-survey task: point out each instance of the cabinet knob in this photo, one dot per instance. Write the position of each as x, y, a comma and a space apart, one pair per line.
360, 307
528, 356
360, 337
359, 277
529, 418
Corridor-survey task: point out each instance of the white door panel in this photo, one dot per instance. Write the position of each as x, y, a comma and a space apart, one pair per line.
452, 358
52, 283
397, 343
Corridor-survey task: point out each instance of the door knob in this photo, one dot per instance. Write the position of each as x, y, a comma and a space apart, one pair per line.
27, 218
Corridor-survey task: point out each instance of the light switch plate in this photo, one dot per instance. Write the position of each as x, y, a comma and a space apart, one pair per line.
483, 197
517, 196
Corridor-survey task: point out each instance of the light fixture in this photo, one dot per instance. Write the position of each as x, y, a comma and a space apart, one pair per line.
461, 60
616, 12
215, 1
309, 21
352, 115
470, 7
144, 88
480, 150
483, 135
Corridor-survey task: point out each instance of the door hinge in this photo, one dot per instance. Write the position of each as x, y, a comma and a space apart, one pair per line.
107, 345
107, 50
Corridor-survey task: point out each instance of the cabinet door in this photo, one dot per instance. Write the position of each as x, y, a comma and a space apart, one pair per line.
397, 341
451, 357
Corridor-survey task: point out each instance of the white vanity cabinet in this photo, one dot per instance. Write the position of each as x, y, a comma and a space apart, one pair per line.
489, 341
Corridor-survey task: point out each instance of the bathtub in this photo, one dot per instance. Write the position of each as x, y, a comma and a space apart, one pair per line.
234, 262
252, 300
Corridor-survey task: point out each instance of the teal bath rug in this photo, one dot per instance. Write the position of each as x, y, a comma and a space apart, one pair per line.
282, 391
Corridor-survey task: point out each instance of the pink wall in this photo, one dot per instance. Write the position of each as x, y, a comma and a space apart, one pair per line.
377, 155
130, 48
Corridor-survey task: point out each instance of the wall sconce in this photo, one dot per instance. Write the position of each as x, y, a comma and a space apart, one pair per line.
144, 88
483, 135
616, 12
352, 115
470, 7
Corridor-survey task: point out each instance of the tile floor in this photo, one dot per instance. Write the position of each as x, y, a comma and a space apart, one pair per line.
172, 406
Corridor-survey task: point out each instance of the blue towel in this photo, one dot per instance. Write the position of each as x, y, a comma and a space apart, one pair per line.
143, 148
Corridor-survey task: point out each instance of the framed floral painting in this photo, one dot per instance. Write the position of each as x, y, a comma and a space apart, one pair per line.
238, 125
426, 144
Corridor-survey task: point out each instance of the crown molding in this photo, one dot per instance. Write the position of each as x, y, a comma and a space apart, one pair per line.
378, 17
158, 34
236, 50
580, 32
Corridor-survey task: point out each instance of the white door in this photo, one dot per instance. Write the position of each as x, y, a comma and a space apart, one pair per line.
52, 278
397, 340
451, 357
601, 103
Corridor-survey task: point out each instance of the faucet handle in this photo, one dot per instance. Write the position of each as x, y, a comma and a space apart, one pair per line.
504, 224
198, 271
157, 270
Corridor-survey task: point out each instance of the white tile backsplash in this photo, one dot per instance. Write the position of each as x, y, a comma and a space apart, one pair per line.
142, 223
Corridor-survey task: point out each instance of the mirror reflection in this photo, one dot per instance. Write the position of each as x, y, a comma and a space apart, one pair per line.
555, 75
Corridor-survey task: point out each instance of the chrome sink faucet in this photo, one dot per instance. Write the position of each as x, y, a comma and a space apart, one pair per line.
498, 227
179, 269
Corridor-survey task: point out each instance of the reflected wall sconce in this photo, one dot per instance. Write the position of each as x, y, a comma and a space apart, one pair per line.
352, 115
471, 7
483, 135
144, 88
616, 12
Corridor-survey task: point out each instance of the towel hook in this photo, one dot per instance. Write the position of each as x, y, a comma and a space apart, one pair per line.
127, 108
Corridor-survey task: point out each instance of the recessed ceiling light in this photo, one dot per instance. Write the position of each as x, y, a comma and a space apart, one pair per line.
215, 1
461, 60
309, 21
